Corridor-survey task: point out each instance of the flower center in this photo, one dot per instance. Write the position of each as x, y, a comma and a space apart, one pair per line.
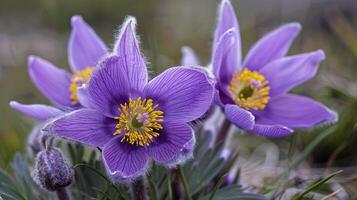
78, 79
249, 89
139, 121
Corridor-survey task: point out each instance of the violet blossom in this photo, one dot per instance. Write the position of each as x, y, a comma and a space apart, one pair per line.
132, 119
85, 49
254, 93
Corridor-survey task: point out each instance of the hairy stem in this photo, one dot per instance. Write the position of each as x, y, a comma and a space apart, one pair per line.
138, 189
175, 184
62, 194
222, 135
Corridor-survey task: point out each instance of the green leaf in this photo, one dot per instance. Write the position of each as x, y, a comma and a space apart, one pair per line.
7, 196
315, 185
218, 184
169, 188
25, 183
6, 179
22, 173
306, 152
184, 183
152, 189
119, 191
232, 192
11, 193
205, 169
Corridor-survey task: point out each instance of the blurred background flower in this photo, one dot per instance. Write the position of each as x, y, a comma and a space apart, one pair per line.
41, 27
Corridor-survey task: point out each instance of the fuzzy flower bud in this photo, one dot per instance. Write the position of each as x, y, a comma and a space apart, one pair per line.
52, 171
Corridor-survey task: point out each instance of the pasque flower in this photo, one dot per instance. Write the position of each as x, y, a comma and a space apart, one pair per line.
253, 93
85, 49
133, 120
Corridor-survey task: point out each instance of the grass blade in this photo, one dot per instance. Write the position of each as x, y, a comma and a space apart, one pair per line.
316, 185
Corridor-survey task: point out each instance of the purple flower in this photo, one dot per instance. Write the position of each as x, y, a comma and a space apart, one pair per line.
189, 57
132, 119
253, 93
85, 49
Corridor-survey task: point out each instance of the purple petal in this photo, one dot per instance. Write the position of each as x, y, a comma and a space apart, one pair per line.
189, 57
110, 86
224, 64
83, 98
183, 94
85, 126
272, 131
175, 140
240, 117
221, 96
294, 111
124, 161
227, 20
85, 47
50, 80
285, 73
272, 46
187, 151
37, 111
217, 99
127, 47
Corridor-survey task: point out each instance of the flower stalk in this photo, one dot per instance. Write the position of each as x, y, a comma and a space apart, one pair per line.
222, 135
138, 189
62, 194
175, 184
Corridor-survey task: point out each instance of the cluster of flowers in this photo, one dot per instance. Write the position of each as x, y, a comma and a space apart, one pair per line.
108, 102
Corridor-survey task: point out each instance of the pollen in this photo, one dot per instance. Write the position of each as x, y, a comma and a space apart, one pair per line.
249, 90
78, 79
140, 122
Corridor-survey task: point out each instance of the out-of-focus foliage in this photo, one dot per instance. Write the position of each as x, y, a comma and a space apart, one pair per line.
21, 184
91, 181
41, 27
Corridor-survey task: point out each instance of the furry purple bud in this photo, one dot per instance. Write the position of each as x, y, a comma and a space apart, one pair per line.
52, 171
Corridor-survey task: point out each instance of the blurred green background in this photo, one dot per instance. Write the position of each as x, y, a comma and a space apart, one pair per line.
41, 27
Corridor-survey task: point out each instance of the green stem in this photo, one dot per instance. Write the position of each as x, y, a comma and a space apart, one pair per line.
184, 182
152, 189
169, 187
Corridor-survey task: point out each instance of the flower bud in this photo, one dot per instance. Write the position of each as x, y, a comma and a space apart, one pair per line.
52, 171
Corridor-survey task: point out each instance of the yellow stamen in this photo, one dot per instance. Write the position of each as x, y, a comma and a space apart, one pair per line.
249, 89
139, 121
79, 78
